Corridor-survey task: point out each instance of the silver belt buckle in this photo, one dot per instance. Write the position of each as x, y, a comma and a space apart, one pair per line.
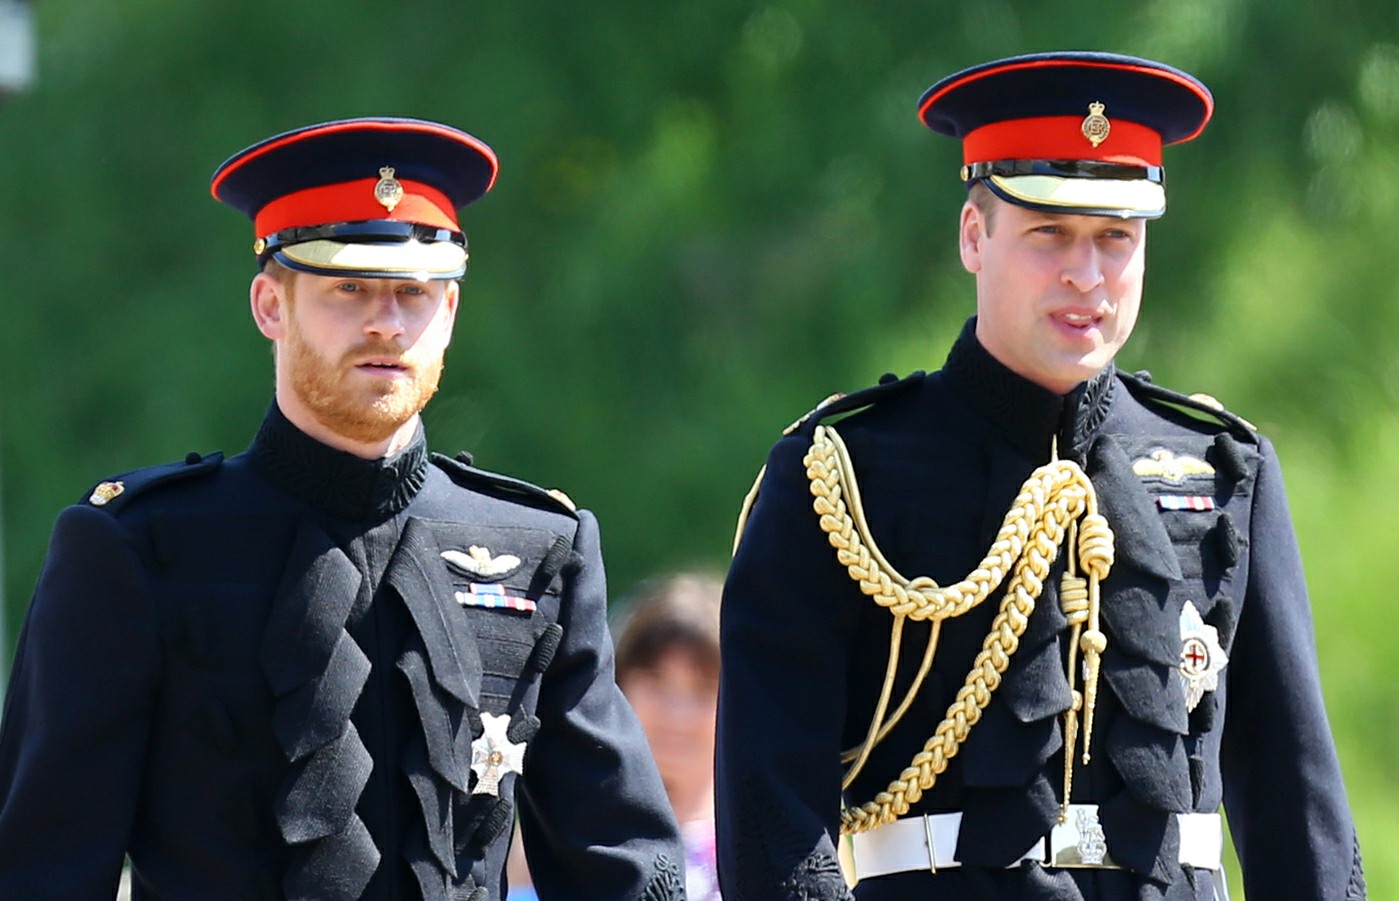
1079, 842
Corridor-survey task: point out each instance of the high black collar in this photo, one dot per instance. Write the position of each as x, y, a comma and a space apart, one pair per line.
335, 481
1023, 413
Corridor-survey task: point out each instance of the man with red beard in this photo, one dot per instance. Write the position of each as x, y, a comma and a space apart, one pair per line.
334, 666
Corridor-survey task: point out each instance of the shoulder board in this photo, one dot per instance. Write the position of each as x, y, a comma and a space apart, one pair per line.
1140, 384
469, 476
889, 385
113, 495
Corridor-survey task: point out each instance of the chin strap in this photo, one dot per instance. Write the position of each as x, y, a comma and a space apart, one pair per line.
1056, 506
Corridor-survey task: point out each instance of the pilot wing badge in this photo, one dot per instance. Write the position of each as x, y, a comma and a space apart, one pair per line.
1166, 466
479, 563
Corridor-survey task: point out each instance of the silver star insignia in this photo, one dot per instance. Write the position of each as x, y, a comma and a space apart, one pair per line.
494, 754
1202, 658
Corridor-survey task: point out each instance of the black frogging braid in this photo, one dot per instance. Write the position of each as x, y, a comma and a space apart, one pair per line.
1230, 457
545, 648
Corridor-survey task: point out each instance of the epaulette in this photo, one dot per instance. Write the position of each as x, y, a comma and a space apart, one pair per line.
1140, 384
115, 494
889, 385
463, 473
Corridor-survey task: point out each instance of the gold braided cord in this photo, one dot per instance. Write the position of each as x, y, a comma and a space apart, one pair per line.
1073, 600
1093, 545
1050, 502
977, 690
831, 475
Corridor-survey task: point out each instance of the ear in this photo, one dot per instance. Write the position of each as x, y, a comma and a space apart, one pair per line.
971, 232
267, 297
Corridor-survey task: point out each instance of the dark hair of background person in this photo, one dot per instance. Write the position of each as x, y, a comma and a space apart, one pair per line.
680, 610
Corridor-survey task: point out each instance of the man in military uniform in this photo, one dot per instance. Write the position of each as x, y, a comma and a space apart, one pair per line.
330, 667
1021, 627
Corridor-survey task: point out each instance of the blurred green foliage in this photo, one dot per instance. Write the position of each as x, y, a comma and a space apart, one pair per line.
709, 216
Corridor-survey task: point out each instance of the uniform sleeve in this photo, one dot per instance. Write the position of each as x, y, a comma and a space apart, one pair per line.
594, 816
77, 717
1286, 802
786, 622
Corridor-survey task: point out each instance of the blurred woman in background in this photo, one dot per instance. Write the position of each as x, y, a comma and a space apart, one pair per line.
667, 641
668, 667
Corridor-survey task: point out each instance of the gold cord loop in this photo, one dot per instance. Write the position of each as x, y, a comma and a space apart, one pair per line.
1056, 504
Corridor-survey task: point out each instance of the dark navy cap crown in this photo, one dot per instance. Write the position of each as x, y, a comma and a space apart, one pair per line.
1076, 131
370, 196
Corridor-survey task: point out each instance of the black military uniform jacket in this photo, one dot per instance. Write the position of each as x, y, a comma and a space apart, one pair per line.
939, 459
263, 678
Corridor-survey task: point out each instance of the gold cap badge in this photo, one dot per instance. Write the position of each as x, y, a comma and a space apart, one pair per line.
105, 493
1096, 126
387, 190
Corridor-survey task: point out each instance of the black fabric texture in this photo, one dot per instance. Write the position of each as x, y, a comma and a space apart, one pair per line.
340, 483
1194, 501
276, 677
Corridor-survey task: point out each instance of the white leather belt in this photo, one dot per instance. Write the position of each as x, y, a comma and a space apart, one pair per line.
929, 842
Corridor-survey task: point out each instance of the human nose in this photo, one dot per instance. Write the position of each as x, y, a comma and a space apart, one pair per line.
1083, 267
385, 318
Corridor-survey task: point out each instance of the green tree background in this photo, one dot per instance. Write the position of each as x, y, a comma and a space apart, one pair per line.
709, 216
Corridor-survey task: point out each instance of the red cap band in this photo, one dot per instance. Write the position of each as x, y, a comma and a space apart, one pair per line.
353, 201
1061, 138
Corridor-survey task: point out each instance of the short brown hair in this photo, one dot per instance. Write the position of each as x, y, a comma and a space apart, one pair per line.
981, 197
677, 611
284, 276
278, 271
